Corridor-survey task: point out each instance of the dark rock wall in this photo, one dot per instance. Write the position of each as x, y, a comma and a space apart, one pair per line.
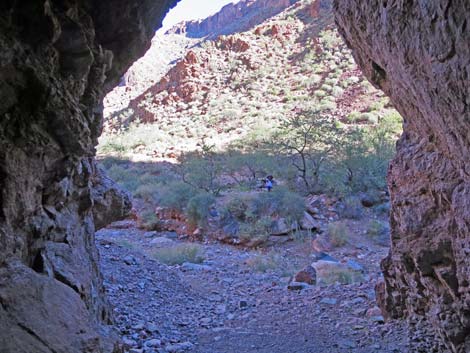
418, 52
57, 59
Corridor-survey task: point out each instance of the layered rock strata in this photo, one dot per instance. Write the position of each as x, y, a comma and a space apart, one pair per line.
57, 60
418, 52
234, 17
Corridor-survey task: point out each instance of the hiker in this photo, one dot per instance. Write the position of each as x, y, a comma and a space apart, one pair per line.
269, 183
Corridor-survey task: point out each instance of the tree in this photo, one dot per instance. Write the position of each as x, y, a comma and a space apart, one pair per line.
202, 169
307, 138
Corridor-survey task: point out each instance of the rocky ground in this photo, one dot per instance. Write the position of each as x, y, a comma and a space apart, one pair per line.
238, 300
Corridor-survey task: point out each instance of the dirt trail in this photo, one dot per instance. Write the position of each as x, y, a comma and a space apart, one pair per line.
228, 305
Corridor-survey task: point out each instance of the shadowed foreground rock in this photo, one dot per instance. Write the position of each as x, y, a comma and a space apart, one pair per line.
418, 52
57, 60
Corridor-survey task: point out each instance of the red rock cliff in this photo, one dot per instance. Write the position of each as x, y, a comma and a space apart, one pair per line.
232, 18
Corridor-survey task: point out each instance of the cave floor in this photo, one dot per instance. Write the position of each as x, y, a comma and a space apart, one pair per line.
238, 300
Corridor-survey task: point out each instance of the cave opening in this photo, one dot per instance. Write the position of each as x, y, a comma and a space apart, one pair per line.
197, 129
256, 152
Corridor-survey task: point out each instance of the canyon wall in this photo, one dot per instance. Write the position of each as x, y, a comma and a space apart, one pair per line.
57, 60
232, 18
418, 52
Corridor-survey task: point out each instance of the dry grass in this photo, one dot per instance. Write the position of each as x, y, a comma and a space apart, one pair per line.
179, 254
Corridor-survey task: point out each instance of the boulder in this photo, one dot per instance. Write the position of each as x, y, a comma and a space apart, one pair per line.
110, 202
282, 227
307, 275
309, 223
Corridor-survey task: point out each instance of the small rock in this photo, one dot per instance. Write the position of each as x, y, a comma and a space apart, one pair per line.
348, 344
136, 350
129, 260
150, 234
242, 304
297, 286
220, 309
378, 319
151, 328
153, 343
356, 301
329, 301
353, 265
179, 347
205, 321
129, 343
189, 266
138, 327
375, 311
161, 241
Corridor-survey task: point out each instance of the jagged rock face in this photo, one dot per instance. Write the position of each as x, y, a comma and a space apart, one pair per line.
57, 60
232, 18
418, 52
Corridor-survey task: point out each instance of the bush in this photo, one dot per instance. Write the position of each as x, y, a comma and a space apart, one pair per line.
353, 116
281, 203
351, 208
337, 91
369, 118
256, 233
338, 234
148, 192
125, 177
148, 220
198, 209
175, 195
342, 275
263, 263
179, 254
376, 229
238, 206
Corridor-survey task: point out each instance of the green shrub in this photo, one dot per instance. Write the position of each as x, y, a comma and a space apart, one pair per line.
198, 209
280, 202
179, 254
369, 118
354, 116
148, 220
256, 233
148, 192
337, 91
175, 195
263, 263
351, 208
326, 88
327, 105
338, 234
376, 229
340, 275
127, 178
238, 206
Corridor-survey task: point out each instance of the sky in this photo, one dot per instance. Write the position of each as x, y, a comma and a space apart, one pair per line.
193, 10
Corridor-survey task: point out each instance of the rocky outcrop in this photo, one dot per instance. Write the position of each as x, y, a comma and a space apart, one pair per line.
232, 18
110, 203
418, 53
57, 61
